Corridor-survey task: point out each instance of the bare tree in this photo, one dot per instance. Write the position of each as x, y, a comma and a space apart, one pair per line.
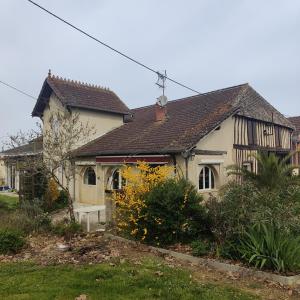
65, 133
62, 134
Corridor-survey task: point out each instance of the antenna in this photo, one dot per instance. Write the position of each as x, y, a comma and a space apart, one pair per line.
161, 83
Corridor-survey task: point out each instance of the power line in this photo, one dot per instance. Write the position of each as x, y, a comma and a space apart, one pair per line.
16, 89
110, 47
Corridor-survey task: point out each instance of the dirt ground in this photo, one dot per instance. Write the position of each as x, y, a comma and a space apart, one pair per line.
96, 248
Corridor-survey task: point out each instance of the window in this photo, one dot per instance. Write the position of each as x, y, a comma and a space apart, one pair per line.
251, 129
247, 165
206, 178
117, 180
89, 176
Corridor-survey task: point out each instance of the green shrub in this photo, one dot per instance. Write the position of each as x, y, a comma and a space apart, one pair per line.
11, 241
60, 203
172, 213
230, 214
20, 221
42, 222
266, 246
32, 208
200, 248
244, 205
67, 229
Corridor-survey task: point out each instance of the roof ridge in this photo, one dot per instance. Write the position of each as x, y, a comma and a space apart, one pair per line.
79, 83
202, 94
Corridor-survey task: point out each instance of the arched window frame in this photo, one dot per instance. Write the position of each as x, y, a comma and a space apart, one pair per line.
208, 173
89, 176
120, 182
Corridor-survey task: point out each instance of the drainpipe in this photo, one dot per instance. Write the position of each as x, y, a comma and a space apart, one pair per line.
186, 155
74, 179
174, 163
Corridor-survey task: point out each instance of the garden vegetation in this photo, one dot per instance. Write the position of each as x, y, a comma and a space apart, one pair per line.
255, 218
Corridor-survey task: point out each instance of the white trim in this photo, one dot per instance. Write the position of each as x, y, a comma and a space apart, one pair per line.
211, 161
210, 175
85, 163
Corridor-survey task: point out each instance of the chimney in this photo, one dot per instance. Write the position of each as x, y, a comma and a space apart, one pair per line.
160, 112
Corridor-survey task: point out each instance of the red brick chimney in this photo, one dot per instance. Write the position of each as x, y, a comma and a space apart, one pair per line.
160, 112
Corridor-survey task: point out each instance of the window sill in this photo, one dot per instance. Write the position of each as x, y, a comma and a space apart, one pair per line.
207, 191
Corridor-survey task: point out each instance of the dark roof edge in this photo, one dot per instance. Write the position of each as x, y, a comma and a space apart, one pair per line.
128, 153
34, 111
97, 109
268, 122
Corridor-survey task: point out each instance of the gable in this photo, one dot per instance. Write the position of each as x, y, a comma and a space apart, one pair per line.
296, 122
79, 95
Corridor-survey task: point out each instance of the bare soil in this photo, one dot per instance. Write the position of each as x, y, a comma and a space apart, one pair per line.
94, 248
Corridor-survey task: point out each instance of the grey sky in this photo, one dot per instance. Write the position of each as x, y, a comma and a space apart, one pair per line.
206, 44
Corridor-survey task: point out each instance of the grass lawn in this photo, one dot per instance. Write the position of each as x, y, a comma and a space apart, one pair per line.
9, 202
149, 280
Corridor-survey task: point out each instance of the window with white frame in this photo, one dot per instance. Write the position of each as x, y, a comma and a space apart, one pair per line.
89, 176
247, 165
117, 181
206, 178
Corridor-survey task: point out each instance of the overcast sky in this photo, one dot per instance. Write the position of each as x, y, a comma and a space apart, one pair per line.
205, 44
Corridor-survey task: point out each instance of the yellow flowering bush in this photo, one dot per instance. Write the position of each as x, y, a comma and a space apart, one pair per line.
158, 208
52, 192
140, 180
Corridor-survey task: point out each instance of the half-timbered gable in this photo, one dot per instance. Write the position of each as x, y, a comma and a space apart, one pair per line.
251, 136
296, 140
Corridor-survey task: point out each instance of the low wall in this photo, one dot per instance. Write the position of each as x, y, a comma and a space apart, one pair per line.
291, 281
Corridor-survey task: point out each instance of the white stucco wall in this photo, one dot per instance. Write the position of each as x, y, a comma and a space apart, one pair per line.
100, 122
217, 140
2, 172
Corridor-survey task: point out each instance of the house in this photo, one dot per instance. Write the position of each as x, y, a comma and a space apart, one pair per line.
296, 139
11, 161
200, 135
2, 172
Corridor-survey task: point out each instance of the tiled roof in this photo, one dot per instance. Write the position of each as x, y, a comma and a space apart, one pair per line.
34, 147
76, 94
296, 122
188, 120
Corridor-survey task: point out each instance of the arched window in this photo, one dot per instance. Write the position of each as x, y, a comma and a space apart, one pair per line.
89, 176
117, 180
206, 178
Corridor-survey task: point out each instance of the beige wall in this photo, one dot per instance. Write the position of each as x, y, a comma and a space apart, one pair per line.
101, 122
92, 194
217, 140
2, 172
84, 193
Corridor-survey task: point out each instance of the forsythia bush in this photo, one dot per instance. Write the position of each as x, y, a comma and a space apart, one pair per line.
52, 193
130, 202
157, 208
